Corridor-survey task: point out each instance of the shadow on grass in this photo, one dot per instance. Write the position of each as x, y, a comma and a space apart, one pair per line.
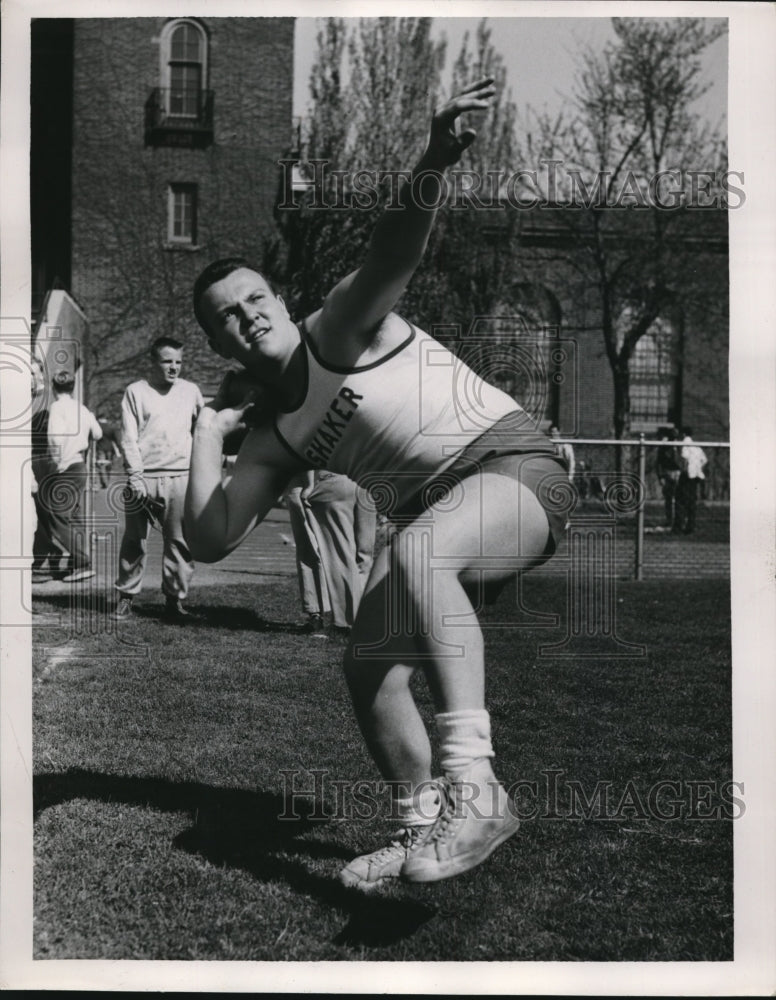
244, 830
97, 604
230, 617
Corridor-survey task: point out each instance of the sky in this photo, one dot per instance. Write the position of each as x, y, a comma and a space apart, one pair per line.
538, 53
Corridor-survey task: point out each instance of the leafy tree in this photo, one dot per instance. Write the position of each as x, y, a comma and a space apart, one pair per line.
327, 127
475, 257
373, 88
395, 69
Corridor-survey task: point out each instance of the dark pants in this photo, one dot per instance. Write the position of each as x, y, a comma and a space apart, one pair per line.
670, 484
44, 548
104, 469
59, 504
686, 502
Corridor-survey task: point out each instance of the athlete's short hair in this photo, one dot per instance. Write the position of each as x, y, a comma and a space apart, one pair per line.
217, 271
161, 342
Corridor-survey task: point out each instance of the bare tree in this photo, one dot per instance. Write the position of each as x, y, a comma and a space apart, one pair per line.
626, 169
374, 87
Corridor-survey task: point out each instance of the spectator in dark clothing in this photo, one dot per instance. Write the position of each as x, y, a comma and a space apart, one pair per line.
668, 468
71, 429
49, 560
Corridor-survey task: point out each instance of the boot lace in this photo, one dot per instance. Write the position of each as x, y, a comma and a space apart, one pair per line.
443, 826
404, 840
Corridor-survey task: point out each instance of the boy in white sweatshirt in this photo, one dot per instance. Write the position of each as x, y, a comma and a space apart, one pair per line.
157, 420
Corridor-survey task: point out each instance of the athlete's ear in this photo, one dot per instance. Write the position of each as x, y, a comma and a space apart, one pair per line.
282, 302
215, 346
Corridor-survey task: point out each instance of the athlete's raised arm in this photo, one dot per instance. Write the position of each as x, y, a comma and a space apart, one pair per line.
361, 300
217, 517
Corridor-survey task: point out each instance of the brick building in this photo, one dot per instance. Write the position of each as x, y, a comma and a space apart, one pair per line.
679, 369
154, 150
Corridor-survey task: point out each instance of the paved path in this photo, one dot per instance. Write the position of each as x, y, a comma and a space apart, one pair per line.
267, 554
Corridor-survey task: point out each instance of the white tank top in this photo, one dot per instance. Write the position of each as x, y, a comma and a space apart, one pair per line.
395, 423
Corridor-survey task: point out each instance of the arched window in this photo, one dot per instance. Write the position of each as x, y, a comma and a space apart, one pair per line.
510, 350
184, 68
654, 377
179, 112
528, 364
533, 380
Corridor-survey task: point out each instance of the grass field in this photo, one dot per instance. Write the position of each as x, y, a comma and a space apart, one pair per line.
159, 754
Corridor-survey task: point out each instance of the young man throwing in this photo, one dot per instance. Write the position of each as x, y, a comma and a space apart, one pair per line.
455, 462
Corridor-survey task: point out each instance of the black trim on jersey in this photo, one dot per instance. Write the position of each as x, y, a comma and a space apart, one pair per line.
295, 455
360, 368
306, 378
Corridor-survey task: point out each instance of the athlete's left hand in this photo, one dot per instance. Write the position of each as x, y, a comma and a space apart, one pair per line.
446, 145
240, 392
233, 390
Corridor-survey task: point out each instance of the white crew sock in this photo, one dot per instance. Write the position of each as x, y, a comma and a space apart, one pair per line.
420, 809
464, 736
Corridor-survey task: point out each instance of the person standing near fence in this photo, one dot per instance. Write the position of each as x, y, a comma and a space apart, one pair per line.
467, 472
668, 469
157, 421
693, 462
60, 503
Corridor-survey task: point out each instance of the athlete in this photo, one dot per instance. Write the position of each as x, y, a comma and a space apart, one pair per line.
456, 464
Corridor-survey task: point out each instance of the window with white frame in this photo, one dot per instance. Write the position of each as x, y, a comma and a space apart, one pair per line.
184, 67
182, 214
654, 374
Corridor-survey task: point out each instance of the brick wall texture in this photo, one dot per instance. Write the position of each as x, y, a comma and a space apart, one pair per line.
131, 285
